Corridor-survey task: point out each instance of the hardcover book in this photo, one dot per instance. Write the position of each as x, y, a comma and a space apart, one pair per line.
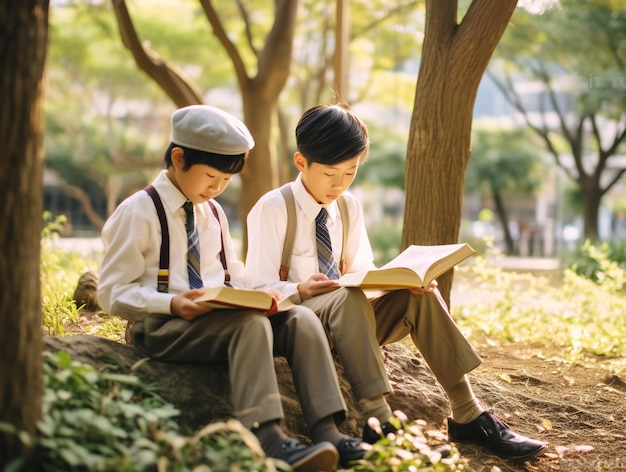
416, 266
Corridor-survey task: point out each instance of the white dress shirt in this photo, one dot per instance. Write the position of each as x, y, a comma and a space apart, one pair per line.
132, 241
267, 225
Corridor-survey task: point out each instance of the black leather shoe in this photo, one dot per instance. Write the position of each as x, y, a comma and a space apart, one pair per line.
350, 449
370, 436
302, 457
490, 431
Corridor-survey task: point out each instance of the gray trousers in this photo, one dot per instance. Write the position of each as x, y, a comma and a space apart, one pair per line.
248, 342
356, 327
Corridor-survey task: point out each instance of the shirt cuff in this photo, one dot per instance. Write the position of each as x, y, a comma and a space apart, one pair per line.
160, 303
291, 291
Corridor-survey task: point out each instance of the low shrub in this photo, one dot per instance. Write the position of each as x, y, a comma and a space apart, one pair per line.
108, 421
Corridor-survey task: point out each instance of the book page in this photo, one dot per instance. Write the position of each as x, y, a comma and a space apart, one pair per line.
416, 266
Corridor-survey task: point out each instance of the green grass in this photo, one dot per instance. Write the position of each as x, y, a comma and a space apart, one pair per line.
580, 319
60, 271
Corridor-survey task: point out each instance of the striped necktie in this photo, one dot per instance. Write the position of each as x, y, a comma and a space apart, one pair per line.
325, 257
193, 248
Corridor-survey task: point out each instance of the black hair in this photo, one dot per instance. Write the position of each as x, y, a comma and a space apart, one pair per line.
231, 164
329, 134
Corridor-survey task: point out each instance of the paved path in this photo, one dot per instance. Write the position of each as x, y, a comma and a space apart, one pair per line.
88, 247
526, 263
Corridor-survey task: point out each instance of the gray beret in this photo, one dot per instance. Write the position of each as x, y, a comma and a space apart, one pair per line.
210, 129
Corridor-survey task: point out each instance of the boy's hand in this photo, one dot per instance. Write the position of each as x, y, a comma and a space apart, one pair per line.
422, 290
183, 306
316, 285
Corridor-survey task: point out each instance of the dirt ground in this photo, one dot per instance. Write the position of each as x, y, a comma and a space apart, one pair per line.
579, 411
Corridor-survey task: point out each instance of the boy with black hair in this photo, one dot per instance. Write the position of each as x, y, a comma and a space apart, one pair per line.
152, 283
332, 142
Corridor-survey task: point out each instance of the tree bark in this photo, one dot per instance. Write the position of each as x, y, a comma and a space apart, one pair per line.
591, 209
454, 58
24, 43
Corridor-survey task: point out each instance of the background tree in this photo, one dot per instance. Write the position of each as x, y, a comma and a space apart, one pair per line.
505, 164
579, 111
386, 160
107, 124
382, 39
454, 57
382, 42
261, 73
23, 46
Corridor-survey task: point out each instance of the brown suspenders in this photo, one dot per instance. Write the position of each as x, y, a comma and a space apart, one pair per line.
290, 232
164, 258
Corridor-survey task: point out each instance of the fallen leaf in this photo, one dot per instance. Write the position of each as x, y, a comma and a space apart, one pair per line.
583, 448
547, 424
505, 377
561, 450
574, 448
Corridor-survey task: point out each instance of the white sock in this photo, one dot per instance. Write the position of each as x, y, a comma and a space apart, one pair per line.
464, 404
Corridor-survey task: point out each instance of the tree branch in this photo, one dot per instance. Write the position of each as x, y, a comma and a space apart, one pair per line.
169, 78
278, 48
619, 137
441, 19
545, 78
472, 38
231, 49
246, 20
397, 9
78, 194
514, 99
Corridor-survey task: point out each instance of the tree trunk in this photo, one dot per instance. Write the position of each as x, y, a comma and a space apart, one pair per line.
504, 221
592, 197
23, 42
454, 58
260, 175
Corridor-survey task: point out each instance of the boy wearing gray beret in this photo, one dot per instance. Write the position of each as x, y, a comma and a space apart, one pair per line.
166, 242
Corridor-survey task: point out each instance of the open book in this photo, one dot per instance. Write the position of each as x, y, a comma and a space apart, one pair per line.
416, 266
225, 297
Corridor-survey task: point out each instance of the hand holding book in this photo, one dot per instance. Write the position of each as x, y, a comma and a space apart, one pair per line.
225, 297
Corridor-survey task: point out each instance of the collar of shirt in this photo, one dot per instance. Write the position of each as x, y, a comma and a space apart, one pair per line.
310, 207
174, 199
170, 195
